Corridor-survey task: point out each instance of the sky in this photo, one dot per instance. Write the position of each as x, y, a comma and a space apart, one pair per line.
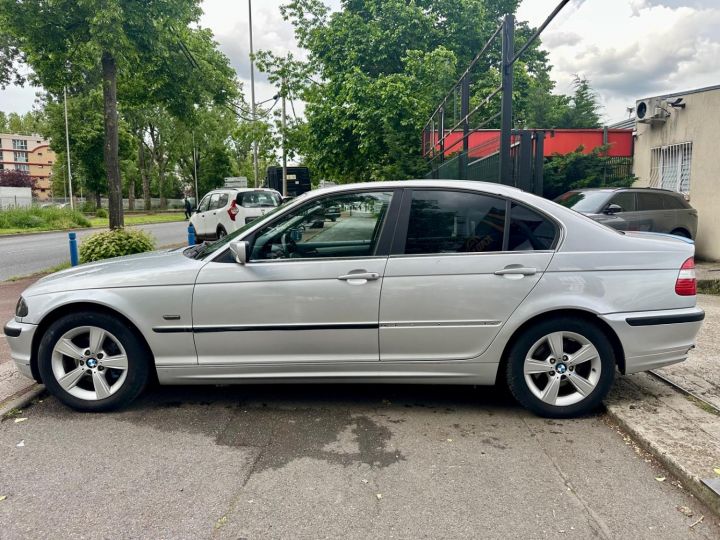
628, 49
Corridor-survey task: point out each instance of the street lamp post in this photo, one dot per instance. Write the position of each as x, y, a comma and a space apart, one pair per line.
252, 98
67, 148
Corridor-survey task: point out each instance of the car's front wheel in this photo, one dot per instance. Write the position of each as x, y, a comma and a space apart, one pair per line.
561, 367
92, 362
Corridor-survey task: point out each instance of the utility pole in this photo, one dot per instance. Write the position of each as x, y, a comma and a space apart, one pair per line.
252, 98
67, 149
284, 153
197, 194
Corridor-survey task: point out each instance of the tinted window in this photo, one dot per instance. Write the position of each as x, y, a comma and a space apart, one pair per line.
650, 201
529, 230
454, 222
625, 200
346, 225
672, 202
588, 202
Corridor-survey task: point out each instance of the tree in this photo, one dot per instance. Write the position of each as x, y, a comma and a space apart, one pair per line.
378, 68
578, 169
85, 43
580, 110
10, 178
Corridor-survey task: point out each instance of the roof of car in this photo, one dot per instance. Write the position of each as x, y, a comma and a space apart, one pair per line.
615, 189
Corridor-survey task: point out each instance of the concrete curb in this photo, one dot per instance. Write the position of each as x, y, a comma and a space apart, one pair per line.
21, 401
650, 413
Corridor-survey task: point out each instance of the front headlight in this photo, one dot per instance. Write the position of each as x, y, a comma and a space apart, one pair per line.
21, 309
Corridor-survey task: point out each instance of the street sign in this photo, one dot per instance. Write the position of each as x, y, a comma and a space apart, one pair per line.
236, 182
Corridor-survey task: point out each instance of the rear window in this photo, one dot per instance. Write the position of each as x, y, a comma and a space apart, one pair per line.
258, 199
588, 202
672, 202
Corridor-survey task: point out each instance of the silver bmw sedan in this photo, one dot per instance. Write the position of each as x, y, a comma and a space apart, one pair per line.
422, 282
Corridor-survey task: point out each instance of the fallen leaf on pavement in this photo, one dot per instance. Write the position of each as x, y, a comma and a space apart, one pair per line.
21, 444
364, 481
379, 495
660, 478
3, 497
18, 420
717, 470
685, 510
449, 440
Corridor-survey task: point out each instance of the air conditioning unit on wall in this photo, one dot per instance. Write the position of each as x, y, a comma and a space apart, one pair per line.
652, 111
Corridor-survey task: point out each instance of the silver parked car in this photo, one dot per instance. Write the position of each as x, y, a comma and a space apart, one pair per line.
635, 209
439, 282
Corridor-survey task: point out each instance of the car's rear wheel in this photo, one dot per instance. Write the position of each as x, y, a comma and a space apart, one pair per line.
681, 232
92, 362
561, 368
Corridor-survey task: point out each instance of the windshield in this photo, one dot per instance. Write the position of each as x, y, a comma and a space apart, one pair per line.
586, 202
206, 249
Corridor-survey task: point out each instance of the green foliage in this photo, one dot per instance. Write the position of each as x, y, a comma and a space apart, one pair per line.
579, 170
26, 124
42, 218
376, 71
550, 111
101, 213
115, 243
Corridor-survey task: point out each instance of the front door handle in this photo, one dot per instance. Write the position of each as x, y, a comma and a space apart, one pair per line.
516, 271
360, 275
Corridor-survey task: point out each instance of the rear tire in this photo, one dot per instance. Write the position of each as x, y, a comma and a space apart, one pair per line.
681, 232
561, 368
93, 362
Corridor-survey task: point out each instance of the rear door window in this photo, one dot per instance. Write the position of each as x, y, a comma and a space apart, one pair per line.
454, 222
625, 200
649, 201
530, 230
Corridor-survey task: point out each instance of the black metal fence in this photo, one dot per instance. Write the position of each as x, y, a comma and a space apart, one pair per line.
482, 99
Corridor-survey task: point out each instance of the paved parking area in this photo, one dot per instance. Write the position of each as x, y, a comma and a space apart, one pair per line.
331, 462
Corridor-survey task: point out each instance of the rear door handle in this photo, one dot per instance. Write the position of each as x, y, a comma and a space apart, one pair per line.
516, 271
366, 276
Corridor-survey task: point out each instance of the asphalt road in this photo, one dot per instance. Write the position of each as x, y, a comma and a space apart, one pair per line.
331, 462
27, 254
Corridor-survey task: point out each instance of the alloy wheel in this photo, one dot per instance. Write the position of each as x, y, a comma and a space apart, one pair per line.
562, 368
89, 363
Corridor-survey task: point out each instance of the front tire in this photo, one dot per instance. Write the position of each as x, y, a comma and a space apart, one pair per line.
561, 368
93, 362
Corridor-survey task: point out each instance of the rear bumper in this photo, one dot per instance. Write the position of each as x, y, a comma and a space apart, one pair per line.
19, 336
653, 339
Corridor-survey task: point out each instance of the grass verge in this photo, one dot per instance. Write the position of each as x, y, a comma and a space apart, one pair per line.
20, 220
709, 286
141, 219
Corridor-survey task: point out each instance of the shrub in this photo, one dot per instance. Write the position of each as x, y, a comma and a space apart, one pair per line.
115, 243
50, 218
101, 213
88, 207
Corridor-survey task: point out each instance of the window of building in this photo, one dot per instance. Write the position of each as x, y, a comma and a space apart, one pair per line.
23, 168
21, 157
670, 167
19, 144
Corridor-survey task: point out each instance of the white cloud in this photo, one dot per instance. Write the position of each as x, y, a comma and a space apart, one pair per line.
632, 49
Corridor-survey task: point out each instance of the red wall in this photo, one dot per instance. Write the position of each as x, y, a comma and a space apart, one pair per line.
557, 141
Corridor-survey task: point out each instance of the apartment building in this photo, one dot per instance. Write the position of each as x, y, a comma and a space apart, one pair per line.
31, 154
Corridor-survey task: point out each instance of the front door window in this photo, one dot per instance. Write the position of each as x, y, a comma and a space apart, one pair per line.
345, 225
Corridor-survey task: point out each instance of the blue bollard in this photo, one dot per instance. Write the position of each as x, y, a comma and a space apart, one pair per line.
73, 249
191, 235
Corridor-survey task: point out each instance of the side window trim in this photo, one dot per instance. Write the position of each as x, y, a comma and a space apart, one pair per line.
403, 221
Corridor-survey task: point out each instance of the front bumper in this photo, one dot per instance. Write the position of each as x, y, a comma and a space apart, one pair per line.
19, 336
653, 339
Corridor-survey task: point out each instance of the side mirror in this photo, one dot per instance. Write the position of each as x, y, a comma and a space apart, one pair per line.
240, 250
613, 209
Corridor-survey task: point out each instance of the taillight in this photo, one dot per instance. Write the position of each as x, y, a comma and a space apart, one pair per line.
233, 211
686, 284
